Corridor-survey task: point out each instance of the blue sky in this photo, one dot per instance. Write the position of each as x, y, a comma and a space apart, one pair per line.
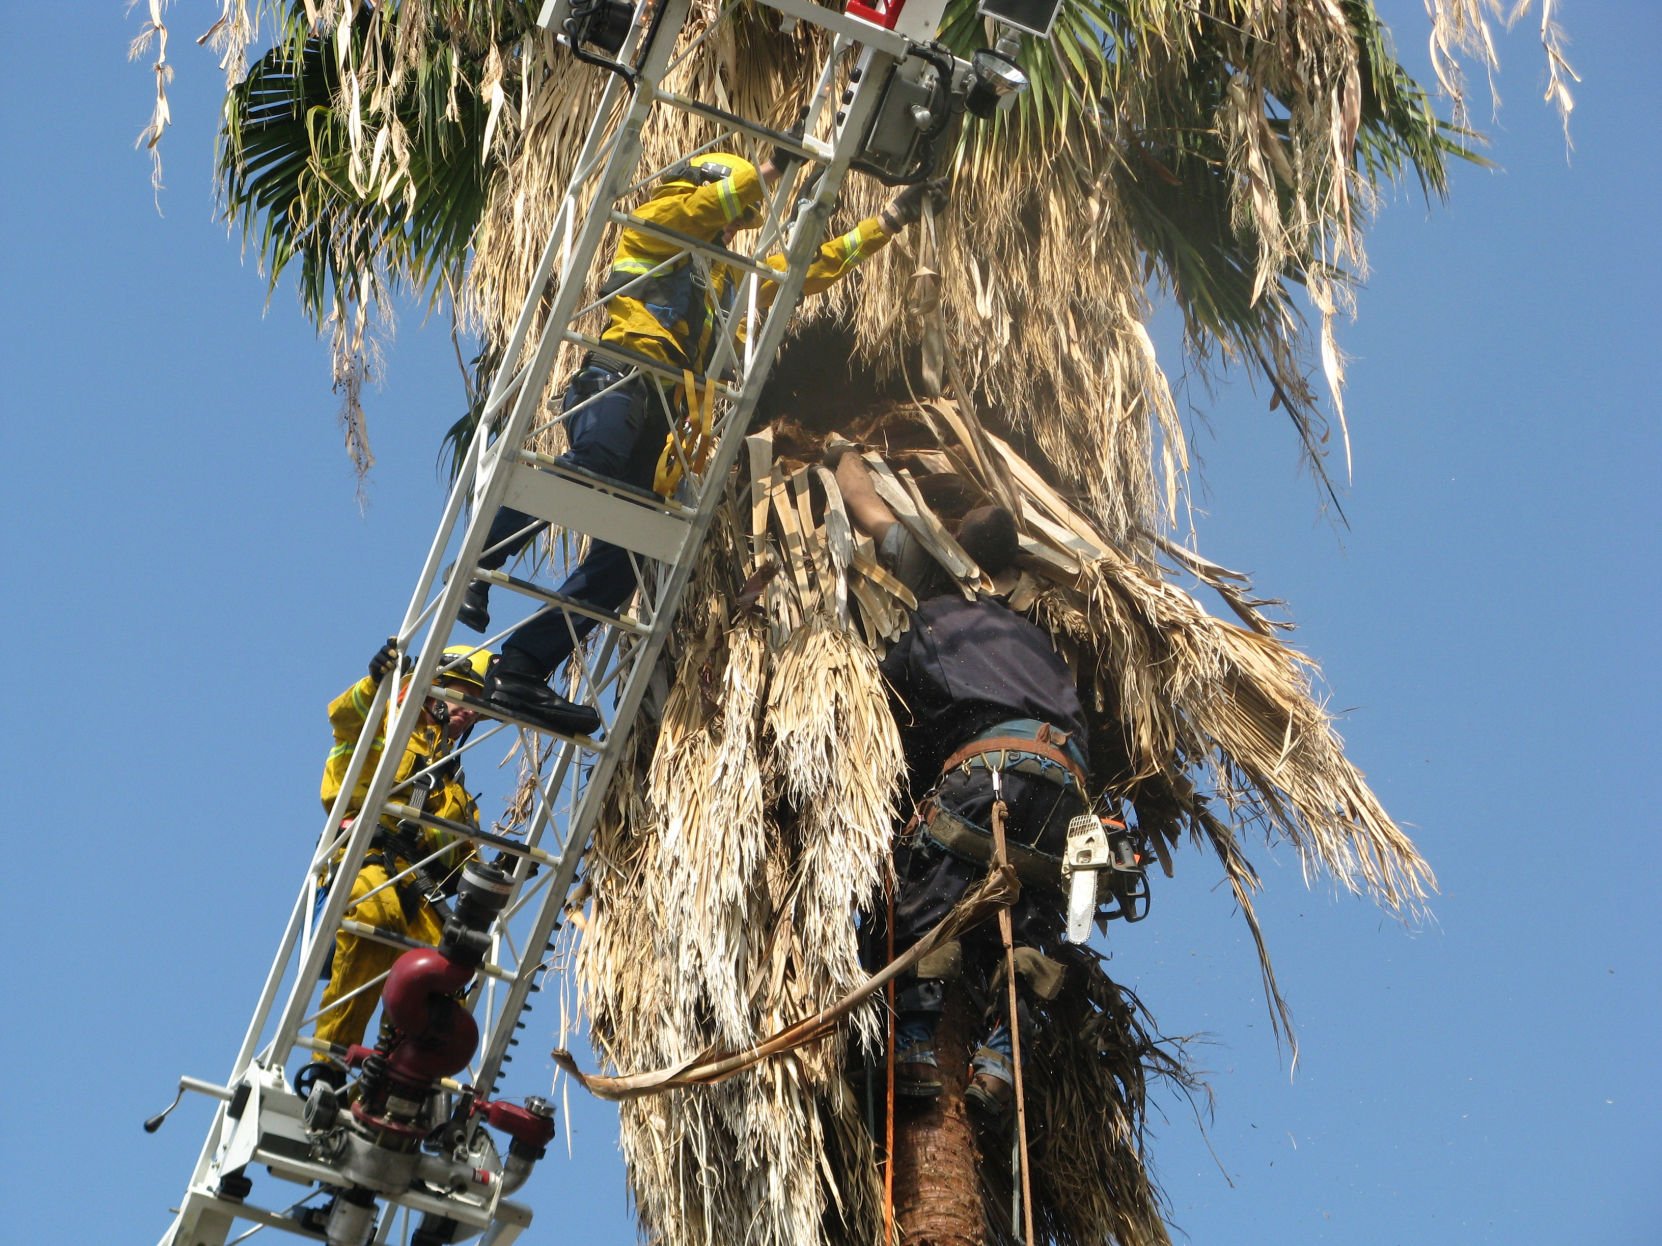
190, 578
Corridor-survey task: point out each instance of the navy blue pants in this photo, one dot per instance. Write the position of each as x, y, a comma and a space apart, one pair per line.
619, 436
932, 880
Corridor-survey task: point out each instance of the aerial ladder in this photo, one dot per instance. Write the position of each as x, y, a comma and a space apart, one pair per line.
407, 1152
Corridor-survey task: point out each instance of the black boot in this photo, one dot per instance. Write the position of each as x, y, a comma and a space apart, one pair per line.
475, 612
514, 686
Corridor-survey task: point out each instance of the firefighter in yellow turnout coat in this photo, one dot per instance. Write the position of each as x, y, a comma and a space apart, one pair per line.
401, 908
672, 314
668, 306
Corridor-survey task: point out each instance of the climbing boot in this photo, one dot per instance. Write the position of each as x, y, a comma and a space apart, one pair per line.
475, 612
992, 1090
523, 694
917, 1075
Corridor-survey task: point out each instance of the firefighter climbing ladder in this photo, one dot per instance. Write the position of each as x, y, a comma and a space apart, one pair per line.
455, 1181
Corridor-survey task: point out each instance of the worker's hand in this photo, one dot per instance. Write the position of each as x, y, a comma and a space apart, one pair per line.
784, 159
385, 661
508, 861
906, 207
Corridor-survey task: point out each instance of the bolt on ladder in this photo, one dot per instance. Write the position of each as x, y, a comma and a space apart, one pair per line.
260, 1120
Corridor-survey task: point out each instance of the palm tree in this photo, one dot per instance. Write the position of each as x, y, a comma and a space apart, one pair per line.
1220, 155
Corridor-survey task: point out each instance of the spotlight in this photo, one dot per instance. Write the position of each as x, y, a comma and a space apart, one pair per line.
995, 81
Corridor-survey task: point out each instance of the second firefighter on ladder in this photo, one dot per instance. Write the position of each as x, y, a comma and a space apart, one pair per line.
670, 313
399, 908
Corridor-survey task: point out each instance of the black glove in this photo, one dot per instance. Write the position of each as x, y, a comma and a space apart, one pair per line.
784, 158
385, 661
906, 207
506, 861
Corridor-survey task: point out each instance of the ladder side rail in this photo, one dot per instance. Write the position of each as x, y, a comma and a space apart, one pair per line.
507, 375
805, 241
528, 399
501, 455
529, 384
624, 155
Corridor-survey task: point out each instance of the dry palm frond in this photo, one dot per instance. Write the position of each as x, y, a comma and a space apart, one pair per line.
724, 890
835, 760
1461, 28
705, 778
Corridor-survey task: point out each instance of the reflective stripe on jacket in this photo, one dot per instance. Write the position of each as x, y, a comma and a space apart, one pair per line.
672, 315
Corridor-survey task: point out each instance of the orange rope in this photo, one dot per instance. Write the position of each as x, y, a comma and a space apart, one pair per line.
888, 1107
1006, 933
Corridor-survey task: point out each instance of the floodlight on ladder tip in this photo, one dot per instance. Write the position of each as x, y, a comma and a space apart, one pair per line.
928, 89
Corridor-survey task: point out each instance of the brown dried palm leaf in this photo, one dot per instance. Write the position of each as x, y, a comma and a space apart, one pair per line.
834, 758
722, 911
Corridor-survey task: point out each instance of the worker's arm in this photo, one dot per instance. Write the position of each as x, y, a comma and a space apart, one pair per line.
840, 256
348, 710
710, 208
347, 713
836, 259
870, 513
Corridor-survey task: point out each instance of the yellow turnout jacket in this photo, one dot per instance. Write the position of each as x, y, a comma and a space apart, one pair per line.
672, 315
450, 800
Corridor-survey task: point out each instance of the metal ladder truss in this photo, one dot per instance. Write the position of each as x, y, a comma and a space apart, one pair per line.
456, 1185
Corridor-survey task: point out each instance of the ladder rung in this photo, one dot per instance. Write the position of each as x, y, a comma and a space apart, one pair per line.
376, 935
808, 149
627, 358
606, 484
688, 242
577, 506
571, 605
461, 830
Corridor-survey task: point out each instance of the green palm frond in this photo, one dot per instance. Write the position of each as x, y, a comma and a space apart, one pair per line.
296, 179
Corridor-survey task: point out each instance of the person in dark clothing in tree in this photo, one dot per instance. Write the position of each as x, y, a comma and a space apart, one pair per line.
981, 697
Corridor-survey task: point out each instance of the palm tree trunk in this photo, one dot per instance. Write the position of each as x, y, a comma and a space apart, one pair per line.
937, 1159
